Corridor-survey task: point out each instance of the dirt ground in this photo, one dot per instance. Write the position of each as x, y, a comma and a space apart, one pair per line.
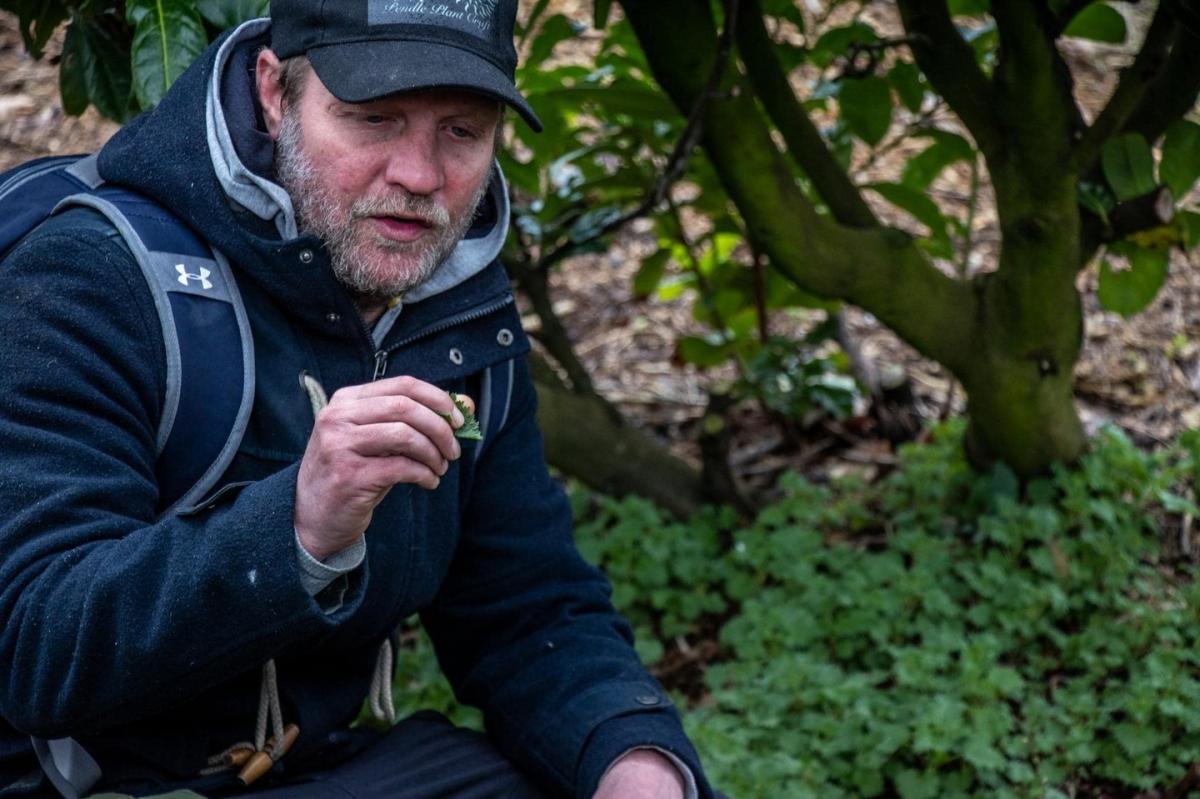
1142, 374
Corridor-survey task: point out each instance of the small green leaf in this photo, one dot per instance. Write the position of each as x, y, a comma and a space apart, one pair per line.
38, 21
1189, 225
223, 14
1099, 22
1129, 290
557, 28
915, 785
905, 78
72, 83
836, 42
947, 148
969, 8
1128, 166
168, 35
1180, 166
651, 274
916, 203
707, 352
601, 11
867, 107
469, 429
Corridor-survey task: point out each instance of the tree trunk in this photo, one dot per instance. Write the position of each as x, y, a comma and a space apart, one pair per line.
584, 440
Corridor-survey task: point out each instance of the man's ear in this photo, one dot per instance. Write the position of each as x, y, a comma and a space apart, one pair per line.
268, 77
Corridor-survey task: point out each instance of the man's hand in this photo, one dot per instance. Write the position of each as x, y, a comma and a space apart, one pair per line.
641, 774
368, 439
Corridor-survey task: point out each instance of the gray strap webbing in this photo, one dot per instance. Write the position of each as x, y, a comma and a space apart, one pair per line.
68, 766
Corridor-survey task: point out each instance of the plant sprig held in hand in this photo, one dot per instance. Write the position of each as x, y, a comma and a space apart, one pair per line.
469, 429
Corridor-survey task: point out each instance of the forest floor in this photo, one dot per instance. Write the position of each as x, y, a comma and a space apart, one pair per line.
1141, 374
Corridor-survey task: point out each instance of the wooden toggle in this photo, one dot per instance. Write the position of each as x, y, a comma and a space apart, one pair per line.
260, 763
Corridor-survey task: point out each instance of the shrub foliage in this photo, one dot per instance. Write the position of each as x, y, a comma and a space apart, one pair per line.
982, 640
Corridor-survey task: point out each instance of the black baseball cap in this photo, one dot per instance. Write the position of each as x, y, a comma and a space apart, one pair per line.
366, 49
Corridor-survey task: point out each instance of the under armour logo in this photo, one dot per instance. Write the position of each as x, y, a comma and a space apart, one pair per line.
203, 277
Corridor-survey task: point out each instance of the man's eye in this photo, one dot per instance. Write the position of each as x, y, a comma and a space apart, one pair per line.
375, 119
459, 132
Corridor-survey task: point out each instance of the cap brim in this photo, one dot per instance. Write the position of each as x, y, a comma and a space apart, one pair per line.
355, 72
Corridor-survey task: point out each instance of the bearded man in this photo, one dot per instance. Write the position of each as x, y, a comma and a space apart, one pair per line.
341, 157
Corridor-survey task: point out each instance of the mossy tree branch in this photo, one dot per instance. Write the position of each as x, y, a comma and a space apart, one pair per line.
803, 140
1135, 81
949, 64
881, 270
1174, 91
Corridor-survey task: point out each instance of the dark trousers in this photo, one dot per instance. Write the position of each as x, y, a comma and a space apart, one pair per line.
422, 757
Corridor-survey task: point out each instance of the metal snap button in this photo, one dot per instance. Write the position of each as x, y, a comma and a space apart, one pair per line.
504, 337
456, 356
306, 256
646, 699
333, 318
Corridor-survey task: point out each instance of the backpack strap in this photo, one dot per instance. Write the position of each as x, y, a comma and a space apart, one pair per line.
495, 400
209, 350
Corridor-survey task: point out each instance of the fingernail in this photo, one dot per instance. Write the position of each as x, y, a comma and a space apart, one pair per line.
457, 419
457, 449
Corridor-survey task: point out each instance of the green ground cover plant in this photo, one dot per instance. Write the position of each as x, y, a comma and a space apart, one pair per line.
939, 633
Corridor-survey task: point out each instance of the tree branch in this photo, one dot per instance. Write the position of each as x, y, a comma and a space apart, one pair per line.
1033, 86
878, 269
803, 140
1173, 93
678, 161
949, 64
1135, 80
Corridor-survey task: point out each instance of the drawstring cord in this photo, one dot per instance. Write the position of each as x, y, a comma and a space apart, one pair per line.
257, 758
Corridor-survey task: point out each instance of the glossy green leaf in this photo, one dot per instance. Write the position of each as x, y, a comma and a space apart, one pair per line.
600, 12
100, 64
1099, 22
784, 9
836, 43
906, 79
629, 98
223, 14
1180, 166
1129, 287
1189, 225
1128, 166
651, 274
706, 352
557, 28
866, 106
916, 203
168, 35
969, 8
72, 83
946, 149
37, 20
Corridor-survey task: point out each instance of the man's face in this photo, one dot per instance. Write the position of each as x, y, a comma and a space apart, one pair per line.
390, 185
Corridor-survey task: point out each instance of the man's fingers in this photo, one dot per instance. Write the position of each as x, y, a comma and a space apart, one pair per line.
390, 439
427, 394
386, 424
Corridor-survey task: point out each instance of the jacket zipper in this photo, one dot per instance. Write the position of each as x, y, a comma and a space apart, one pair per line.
445, 324
382, 355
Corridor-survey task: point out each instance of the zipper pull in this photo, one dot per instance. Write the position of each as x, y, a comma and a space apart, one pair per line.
381, 360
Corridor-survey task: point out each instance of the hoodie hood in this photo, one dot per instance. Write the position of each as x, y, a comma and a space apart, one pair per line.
204, 154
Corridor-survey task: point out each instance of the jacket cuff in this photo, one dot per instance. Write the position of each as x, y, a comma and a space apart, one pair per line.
617, 736
317, 575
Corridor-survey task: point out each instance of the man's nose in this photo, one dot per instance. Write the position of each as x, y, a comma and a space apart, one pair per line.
414, 163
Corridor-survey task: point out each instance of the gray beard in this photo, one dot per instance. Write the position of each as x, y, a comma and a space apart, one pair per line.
370, 266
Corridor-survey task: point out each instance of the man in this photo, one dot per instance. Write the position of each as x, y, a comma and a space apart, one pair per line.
341, 157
